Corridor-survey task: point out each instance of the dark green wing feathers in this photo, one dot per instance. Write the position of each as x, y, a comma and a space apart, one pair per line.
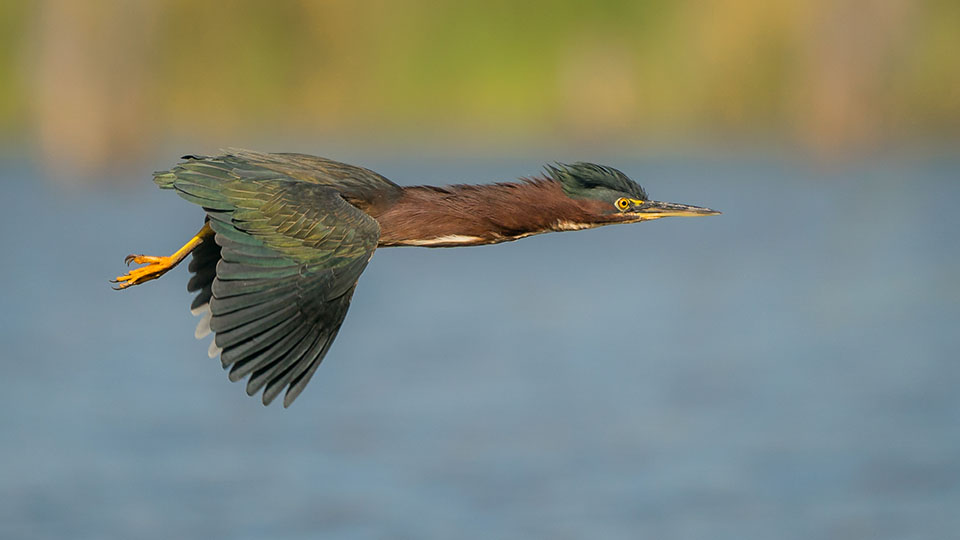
352, 182
276, 284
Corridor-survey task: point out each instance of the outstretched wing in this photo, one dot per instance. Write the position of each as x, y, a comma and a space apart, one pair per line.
290, 256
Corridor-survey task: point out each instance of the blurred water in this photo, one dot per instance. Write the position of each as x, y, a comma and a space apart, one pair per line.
787, 370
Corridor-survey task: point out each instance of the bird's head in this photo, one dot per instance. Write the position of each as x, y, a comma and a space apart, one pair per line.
612, 197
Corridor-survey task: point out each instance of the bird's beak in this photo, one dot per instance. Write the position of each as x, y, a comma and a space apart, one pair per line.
656, 210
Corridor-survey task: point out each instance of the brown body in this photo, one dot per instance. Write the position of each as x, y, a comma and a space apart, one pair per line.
465, 215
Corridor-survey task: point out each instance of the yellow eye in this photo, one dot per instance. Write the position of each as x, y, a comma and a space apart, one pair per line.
622, 203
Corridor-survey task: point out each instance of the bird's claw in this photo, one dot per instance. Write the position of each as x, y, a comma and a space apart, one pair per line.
144, 259
155, 267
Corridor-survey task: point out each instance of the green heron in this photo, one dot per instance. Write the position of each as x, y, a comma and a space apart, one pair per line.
286, 237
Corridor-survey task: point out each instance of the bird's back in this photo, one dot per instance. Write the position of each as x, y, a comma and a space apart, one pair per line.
359, 186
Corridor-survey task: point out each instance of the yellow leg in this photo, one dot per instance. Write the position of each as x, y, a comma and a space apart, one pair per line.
158, 266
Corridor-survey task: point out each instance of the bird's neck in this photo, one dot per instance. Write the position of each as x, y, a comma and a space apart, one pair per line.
466, 215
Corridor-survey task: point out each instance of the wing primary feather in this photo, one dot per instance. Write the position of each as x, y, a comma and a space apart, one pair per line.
205, 256
230, 304
267, 360
213, 350
202, 278
301, 380
301, 362
202, 298
203, 327
285, 365
252, 329
243, 367
277, 308
247, 345
199, 309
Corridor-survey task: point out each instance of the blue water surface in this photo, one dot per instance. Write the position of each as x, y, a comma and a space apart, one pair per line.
786, 370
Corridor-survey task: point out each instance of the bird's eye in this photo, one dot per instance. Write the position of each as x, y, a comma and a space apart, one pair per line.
622, 203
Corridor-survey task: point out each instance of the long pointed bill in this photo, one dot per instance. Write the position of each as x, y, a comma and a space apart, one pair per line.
656, 210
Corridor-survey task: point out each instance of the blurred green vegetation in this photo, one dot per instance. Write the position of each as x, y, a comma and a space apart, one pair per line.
86, 80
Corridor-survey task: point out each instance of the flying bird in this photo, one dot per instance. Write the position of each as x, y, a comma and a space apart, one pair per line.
286, 237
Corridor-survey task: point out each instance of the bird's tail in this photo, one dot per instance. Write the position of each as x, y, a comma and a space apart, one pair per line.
164, 179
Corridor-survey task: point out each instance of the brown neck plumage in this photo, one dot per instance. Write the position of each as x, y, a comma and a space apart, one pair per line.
463, 215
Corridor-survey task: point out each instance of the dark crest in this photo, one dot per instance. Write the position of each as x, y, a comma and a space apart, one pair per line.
591, 181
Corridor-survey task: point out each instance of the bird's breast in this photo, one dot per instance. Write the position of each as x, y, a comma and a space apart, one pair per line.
448, 240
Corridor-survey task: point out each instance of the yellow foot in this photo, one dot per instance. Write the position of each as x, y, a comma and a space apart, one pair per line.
156, 267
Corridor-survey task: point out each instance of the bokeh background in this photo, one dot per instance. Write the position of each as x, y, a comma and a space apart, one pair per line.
786, 370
